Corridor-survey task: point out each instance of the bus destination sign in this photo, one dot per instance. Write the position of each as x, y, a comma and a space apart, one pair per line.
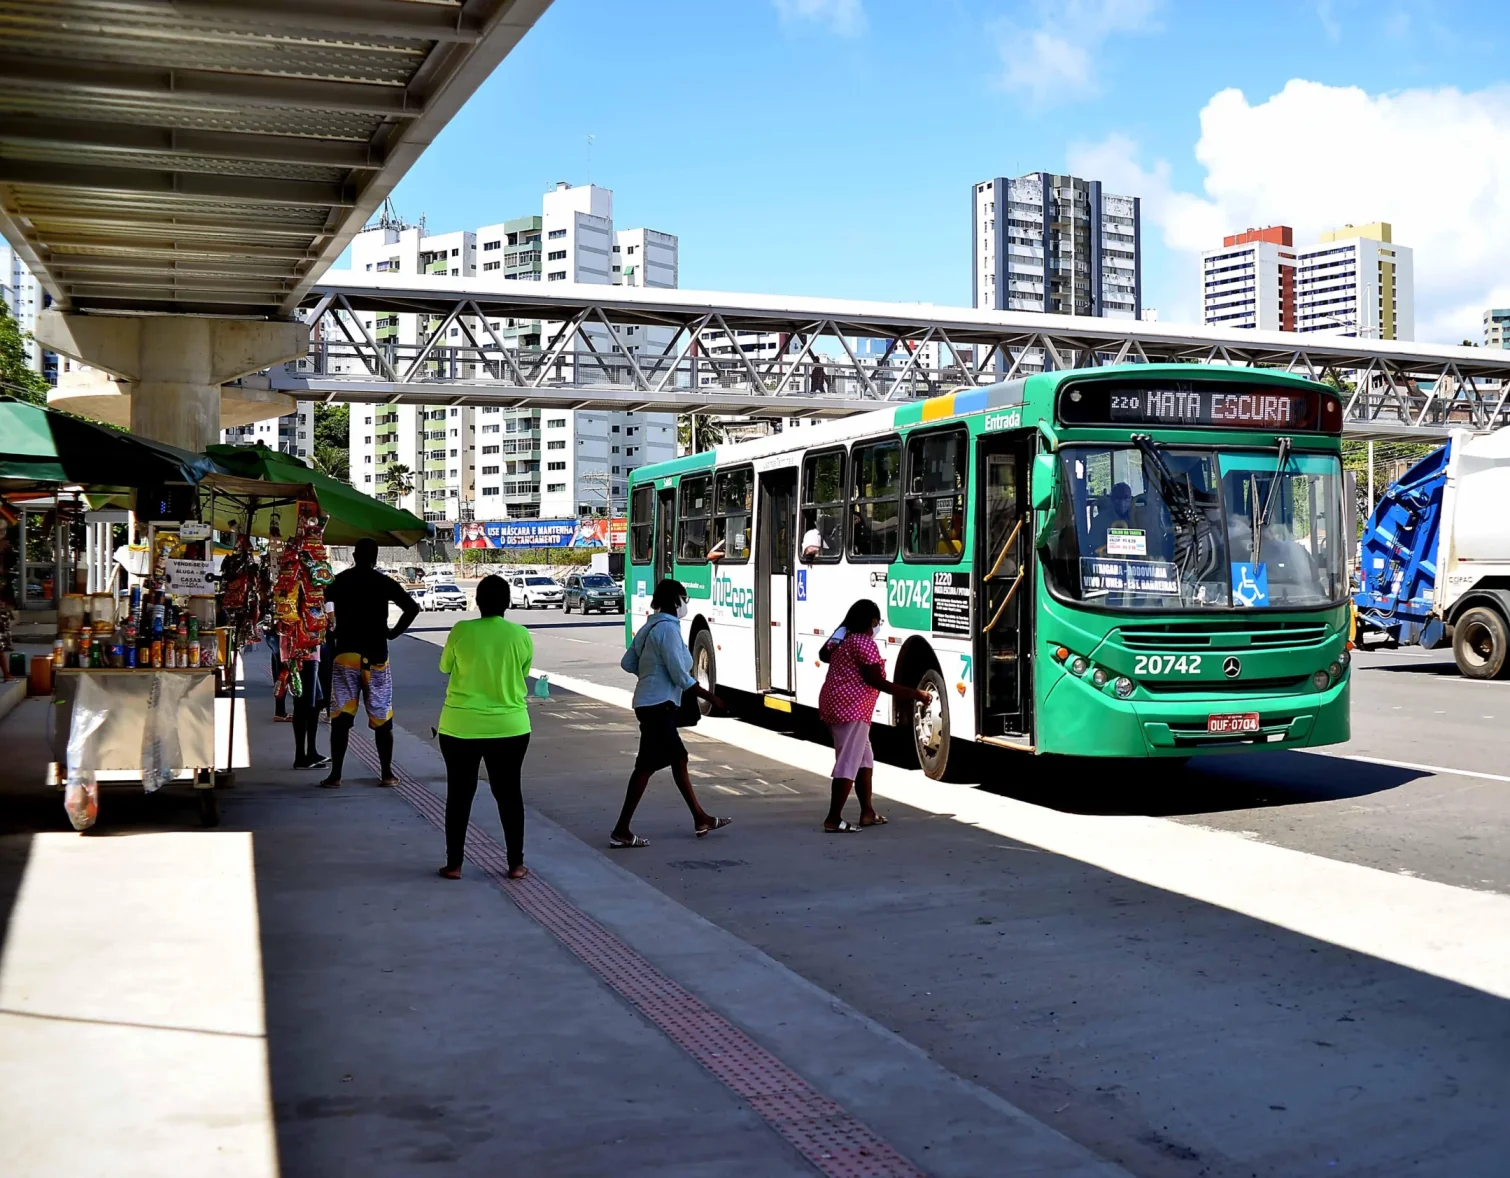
1201, 403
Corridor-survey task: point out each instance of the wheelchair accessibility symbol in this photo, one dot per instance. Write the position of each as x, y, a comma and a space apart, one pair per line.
1250, 585
801, 584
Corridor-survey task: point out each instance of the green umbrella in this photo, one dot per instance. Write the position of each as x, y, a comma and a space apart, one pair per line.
270, 475
42, 447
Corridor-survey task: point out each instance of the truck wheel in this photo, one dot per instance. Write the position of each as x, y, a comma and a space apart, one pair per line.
705, 667
1481, 644
930, 727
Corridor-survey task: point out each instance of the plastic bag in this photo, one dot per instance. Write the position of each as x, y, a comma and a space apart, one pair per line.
81, 793
81, 801
162, 752
543, 687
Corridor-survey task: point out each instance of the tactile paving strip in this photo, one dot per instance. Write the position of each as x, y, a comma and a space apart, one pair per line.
830, 1138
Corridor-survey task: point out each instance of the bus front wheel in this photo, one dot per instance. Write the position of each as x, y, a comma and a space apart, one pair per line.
930, 726
704, 667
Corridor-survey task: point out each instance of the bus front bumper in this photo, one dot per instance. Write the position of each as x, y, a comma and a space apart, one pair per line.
1103, 726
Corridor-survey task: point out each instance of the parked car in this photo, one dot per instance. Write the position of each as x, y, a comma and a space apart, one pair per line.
530, 590
593, 591
440, 596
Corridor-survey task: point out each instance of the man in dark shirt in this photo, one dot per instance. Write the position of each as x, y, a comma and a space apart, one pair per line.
361, 596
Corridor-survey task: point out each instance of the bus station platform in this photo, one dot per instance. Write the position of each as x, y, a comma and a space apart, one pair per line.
297, 993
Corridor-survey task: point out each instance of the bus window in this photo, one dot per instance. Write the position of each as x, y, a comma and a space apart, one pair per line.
936, 494
642, 524
874, 492
695, 495
732, 501
823, 506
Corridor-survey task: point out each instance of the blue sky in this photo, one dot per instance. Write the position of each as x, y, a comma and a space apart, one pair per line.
827, 147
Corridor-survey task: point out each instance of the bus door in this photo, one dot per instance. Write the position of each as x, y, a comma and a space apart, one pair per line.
1004, 587
665, 535
775, 561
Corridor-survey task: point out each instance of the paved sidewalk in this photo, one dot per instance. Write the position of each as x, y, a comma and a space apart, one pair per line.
385, 1020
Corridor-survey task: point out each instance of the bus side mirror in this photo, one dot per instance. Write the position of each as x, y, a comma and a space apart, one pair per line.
1045, 483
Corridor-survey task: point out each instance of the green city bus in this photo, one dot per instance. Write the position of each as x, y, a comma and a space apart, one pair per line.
1142, 560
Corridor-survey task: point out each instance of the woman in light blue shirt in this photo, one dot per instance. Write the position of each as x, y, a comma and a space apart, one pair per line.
659, 656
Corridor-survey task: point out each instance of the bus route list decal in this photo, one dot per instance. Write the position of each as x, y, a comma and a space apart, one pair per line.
951, 603
1152, 577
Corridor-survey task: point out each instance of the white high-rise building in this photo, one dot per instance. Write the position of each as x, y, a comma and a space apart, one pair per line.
293, 433
1057, 244
1355, 281
24, 297
495, 463
1250, 281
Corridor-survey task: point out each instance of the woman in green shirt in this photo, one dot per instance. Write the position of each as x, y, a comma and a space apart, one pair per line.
485, 719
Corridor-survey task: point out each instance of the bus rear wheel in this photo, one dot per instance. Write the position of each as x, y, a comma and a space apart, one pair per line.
930, 727
1481, 643
705, 667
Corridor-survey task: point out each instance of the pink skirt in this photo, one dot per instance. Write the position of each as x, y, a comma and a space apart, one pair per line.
851, 749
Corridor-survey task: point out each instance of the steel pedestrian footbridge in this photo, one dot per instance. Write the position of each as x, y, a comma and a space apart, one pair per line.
504, 343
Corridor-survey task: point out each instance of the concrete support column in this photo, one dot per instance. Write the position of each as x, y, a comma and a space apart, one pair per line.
175, 363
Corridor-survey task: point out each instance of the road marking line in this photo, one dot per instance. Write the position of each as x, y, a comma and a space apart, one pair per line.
1412, 765
1439, 929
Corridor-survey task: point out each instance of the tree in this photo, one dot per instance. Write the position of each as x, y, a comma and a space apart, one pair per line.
17, 378
708, 433
332, 441
398, 482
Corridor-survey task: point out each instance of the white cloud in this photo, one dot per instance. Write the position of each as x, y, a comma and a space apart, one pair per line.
844, 17
1433, 163
1054, 61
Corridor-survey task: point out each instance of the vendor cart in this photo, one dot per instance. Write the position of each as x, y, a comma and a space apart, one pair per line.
115, 750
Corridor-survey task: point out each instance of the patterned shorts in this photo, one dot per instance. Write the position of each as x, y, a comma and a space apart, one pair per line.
352, 677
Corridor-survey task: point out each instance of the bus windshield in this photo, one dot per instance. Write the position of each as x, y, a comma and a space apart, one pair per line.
1143, 527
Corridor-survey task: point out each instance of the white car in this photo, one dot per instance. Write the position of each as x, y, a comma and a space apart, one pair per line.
441, 596
534, 590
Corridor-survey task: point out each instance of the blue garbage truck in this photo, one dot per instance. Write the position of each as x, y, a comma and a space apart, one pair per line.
1434, 560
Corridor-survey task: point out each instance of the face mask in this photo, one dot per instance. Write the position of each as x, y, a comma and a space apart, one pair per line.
681, 608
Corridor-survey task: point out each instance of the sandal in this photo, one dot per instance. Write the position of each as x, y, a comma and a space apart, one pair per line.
518, 872
842, 828
632, 841
449, 872
718, 824
878, 820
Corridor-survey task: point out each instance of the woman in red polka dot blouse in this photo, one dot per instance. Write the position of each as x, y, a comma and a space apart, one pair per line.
856, 678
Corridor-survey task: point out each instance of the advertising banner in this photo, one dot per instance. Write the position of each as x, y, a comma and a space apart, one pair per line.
542, 533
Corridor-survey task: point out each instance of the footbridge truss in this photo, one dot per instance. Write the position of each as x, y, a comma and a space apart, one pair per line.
609, 347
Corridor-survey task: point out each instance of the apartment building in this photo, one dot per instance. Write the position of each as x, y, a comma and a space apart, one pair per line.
497, 463
1356, 281
1057, 244
1497, 327
293, 433
24, 297
1250, 281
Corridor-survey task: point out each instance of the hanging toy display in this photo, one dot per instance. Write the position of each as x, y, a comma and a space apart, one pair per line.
298, 596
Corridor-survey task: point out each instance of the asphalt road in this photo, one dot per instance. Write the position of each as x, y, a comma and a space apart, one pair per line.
1431, 799
1170, 1034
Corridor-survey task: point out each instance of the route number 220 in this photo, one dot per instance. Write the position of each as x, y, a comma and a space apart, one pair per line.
1167, 664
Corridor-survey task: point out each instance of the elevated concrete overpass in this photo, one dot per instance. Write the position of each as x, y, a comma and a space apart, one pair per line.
179, 173
606, 347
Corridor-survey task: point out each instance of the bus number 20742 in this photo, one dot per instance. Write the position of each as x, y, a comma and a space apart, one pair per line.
1167, 664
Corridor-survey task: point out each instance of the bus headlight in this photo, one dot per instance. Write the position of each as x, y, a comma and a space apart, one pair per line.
1079, 665
1101, 676
1343, 658
1321, 681
1335, 670
1123, 687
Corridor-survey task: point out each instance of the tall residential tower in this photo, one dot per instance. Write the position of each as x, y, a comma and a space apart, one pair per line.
1250, 281
1057, 244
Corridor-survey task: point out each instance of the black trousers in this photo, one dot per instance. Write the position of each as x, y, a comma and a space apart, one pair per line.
505, 759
